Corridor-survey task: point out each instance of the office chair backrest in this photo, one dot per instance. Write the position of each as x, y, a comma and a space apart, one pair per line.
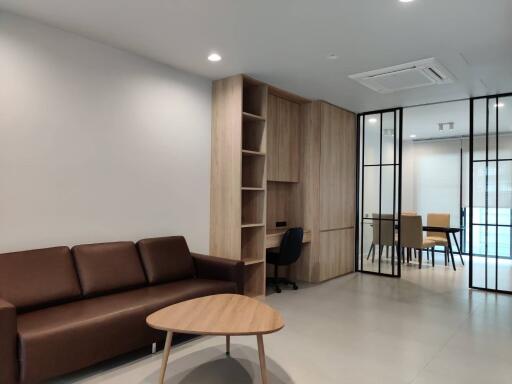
291, 245
384, 229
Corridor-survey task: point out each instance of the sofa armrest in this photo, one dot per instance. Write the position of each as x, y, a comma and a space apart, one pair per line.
216, 268
8, 348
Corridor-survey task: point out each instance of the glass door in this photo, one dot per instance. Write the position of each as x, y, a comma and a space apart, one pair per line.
379, 185
490, 215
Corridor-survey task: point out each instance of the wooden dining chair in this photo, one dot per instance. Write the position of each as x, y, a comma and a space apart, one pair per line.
383, 234
439, 220
411, 236
408, 213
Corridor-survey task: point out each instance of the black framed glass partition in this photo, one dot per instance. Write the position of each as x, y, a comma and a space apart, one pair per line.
435, 162
379, 179
490, 216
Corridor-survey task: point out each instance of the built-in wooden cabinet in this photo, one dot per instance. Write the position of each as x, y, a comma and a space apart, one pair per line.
337, 168
278, 158
283, 132
336, 253
328, 191
238, 177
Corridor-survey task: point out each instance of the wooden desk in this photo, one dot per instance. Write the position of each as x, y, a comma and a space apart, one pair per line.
274, 237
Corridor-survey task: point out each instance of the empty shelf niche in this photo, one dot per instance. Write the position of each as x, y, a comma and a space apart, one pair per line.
253, 171
252, 135
254, 98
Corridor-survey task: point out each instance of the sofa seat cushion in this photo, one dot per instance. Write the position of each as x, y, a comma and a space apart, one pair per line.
166, 259
38, 277
108, 267
64, 338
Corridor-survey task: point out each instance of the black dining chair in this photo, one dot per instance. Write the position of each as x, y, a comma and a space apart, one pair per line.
289, 253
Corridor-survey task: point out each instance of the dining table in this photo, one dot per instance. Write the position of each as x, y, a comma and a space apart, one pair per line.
447, 232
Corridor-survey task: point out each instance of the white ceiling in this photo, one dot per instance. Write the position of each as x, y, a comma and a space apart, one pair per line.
285, 42
423, 121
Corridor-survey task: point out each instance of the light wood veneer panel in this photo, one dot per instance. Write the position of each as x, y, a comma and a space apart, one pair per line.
283, 140
225, 194
309, 191
272, 139
336, 253
253, 203
289, 140
337, 168
283, 204
253, 244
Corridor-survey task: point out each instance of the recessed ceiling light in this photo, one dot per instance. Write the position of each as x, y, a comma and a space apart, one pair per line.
332, 56
412, 136
214, 57
372, 120
450, 125
406, 1
499, 105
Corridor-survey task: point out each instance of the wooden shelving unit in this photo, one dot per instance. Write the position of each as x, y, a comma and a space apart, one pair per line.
252, 225
255, 280
253, 172
253, 203
252, 135
238, 195
246, 116
280, 159
246, 152
255, 260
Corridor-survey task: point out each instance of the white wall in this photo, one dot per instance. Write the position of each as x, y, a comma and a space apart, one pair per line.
431, 177
408, 179
97, 144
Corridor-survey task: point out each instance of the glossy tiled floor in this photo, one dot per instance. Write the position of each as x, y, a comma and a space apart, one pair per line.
426, 328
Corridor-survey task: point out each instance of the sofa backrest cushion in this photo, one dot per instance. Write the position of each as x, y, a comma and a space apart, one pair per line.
108, 267
38, 277
166, 259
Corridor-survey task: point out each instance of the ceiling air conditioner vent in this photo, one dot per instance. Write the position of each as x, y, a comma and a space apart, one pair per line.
405, 76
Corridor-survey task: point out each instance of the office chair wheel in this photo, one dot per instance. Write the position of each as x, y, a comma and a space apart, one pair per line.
277, 289
295, 287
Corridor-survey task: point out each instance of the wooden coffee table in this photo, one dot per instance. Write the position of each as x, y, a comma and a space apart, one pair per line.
222, 315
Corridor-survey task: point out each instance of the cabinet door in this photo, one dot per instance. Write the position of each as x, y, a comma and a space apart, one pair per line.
283, 140
337, 168
289, 140
336, 253
272, 139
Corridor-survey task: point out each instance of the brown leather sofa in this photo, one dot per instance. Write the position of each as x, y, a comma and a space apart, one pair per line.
62, 310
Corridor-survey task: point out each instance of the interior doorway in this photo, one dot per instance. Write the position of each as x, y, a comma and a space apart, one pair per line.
452, 158
435, 177
379, 180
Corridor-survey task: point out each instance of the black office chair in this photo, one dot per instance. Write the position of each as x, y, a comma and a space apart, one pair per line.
289, 252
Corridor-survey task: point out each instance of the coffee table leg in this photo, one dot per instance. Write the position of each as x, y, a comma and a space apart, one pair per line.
228, 344
165, 357
263, 364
